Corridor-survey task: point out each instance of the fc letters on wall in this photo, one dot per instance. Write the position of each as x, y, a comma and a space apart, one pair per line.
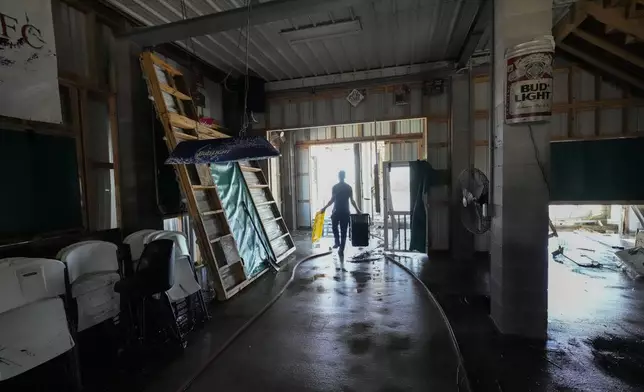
28, 64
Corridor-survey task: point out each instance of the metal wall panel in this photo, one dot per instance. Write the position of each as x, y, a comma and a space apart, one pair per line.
403, 151
610, 122
301, 111
481, 95
584, 85
439, 227
636, 119
559, 125
585, 125
560, 94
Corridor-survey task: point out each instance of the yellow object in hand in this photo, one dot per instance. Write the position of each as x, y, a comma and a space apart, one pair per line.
318, 227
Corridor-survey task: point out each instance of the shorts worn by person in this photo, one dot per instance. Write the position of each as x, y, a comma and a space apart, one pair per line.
341, 195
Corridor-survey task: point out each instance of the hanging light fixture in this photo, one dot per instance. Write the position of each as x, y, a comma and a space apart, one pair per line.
231, 149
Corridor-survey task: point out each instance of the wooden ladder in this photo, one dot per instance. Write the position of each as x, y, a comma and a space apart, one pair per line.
281, 242
177, 113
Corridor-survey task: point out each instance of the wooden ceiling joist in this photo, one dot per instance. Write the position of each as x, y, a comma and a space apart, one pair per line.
616, 18
601, 65
635, 9
610, 47
570, 22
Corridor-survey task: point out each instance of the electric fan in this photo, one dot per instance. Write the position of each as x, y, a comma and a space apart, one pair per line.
474, 189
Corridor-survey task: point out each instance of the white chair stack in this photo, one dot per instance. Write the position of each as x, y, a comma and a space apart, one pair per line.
185, 283
93, 269
33, 322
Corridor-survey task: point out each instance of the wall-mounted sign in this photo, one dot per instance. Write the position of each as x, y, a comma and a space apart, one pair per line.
28, 66
529, 82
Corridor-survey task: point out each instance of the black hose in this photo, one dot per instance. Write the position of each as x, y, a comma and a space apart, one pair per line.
266, 307
461, 367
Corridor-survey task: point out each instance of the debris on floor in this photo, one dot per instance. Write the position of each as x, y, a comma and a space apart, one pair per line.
620, 357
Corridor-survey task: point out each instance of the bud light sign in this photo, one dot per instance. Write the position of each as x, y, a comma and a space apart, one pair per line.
528, 86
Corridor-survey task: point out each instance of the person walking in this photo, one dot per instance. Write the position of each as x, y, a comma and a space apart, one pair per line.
341, 194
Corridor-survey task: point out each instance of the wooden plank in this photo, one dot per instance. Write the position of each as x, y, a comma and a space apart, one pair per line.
610, 47
185, 136
407, 136
605, 67
569, 22
250, 169
215, 212
220, 238
616, 18
558, 139
258, 186
173, 91
265, 203
203, 187
166, 67
280, 237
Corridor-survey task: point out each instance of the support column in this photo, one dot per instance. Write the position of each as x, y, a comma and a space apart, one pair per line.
461, 142
519, 247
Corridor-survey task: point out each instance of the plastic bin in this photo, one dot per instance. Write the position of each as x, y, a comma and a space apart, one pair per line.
360, 230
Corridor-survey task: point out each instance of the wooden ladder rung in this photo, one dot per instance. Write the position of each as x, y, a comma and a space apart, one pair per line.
280, 237
258, 186
183, 122
215, 212
220, 238
273, 219
166, 67
185, 136
173, 91
250, 169
265, 203
203, 187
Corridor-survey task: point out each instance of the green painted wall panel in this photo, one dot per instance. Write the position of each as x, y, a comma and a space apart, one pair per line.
597, 171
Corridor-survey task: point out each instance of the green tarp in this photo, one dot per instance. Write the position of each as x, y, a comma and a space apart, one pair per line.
234, 195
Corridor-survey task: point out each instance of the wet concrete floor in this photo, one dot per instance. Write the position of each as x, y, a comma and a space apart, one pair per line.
342, 326
595, 329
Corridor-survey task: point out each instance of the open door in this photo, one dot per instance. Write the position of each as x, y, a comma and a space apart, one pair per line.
397, 206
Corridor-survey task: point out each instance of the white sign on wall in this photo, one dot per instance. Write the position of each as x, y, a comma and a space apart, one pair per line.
28, 66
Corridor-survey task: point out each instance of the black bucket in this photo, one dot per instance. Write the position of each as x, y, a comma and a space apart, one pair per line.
360, 230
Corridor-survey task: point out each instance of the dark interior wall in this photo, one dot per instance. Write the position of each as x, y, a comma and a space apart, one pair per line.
136, 144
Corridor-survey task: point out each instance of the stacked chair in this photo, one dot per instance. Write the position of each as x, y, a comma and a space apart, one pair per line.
92, 271
35, 337
97, 307
184, 295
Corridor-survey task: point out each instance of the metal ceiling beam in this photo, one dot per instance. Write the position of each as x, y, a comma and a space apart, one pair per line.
359, 76
229, 20
479, 27
607, 68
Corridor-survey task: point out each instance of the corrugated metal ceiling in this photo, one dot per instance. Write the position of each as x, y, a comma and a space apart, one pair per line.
395, 33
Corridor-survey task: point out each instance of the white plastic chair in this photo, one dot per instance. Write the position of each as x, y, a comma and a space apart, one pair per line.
33, 322
137, 242
92, 269
185, 283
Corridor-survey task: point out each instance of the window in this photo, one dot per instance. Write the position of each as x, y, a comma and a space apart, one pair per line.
98, 143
